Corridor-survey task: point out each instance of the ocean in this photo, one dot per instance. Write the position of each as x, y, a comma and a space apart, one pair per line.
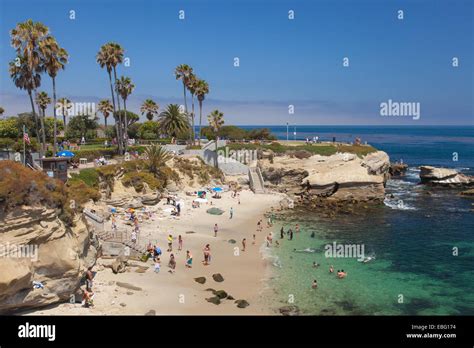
423, 248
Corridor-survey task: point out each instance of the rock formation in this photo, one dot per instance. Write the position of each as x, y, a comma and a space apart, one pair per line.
342, 177
55, 260
444, 177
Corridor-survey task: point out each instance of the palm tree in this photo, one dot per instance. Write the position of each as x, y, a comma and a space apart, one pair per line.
149, 108
182, 72
216, 121
106, 59
23, 80
25, 39
202, 88
63, 106
54, 59
106, 109
191, 86
116, 57
172, 121
43, 100
125, 87
156, 157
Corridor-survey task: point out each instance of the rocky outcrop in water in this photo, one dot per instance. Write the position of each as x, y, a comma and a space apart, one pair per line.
53, 257
398, 169
340, 178
444, 177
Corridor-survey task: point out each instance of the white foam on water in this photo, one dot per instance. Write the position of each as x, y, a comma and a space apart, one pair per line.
268, 255
395, 204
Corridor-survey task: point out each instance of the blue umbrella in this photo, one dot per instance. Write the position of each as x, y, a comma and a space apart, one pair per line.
217, 189
65, 153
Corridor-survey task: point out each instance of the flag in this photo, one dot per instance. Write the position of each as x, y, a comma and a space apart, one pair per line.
26, 138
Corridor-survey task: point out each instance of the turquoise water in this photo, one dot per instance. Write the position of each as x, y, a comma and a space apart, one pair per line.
414, 271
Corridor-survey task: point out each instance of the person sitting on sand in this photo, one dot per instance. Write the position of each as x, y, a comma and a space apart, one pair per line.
341, 274
189, 259
315, 284
172, 264
244, 241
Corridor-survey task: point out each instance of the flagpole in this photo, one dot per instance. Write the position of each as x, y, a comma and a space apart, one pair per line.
24, 146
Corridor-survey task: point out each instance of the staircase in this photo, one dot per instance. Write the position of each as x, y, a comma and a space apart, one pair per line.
256, 180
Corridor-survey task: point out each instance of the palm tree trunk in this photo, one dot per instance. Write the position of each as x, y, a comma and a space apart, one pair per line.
55, 117
117, 127
200, 121
217, 156
43, 133
35, 118
192, 115
126, 125
105, 121
119, 114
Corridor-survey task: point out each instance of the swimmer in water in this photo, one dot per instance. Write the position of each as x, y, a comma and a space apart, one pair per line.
315, 284
331, 269
341, 274
315, 265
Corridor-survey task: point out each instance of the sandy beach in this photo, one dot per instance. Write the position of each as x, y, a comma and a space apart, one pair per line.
166, 293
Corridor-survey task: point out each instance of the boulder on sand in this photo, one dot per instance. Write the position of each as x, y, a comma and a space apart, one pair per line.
221, 294
289, 310
242, 303
200, 280
215, 299
218, 277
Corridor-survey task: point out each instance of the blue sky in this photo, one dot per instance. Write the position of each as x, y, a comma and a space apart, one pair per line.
282, 61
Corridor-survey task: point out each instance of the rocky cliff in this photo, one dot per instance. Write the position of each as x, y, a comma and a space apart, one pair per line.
342, 177
444, 177
36, 246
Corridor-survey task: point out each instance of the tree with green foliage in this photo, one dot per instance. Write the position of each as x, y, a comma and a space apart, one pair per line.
172, 122
54, 59
82, 126
148, 130
43, 100
149, 108
216, 121
106, 108
9, 128
156, 157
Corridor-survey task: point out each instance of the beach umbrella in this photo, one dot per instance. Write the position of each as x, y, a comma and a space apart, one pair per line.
65, 153
217, 189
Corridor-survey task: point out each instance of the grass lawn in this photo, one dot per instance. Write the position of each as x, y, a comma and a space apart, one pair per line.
323, 149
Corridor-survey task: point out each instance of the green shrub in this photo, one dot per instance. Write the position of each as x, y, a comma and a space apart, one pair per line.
137, 180
89, 176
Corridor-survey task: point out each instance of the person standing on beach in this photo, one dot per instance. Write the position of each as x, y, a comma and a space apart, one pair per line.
178, 208
172, 264
189, 259
89, 277
180, 243
134, 237
216, 229
231, 212
207, 254
244, 242
253, 241
114, 223
170, 242
282, 232
157, 265
297, 228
